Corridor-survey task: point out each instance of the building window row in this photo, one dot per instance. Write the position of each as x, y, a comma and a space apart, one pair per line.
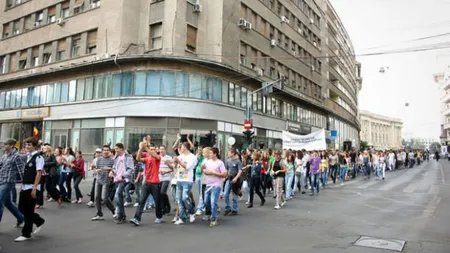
345, 91
346, 106
49, 15
50, 52
252, 58
156, 83
269, 31
12, 3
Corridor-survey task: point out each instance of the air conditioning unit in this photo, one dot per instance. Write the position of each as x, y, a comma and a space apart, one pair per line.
284, 20
93, 5
313, 68
300, 31
197, 7
96, 58
294, 53
315, 44
106, 56
273, 43
244, 24
259, 71
60, 21
311, 21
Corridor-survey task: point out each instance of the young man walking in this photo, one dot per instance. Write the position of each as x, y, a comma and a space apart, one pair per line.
11, 167
30, 190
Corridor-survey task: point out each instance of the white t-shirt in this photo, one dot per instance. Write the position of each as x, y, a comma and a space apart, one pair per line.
391, 157
164, 167
187, 174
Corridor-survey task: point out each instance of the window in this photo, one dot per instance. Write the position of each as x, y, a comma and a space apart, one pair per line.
116, 82
16, 27
9, 3
253, 20
5, 30
65, 9
243, 11
50, 94
36, 96
76, 41
191, 38
64, 92
167, 83
237, 95
153, 83
88, 88
231, 93
139, 83
80, 90
243, 54
51, 14
92, 42
43, 95
39, 18
98, 87
35, 57
217, 89
156, 36
127, 80
95, 3
23, 59
182, 85
195, 86
61, 50
79, 6
206, 89
262, 27
2, 64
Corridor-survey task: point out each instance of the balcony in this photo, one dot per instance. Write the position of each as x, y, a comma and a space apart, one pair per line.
446, 98
339, 110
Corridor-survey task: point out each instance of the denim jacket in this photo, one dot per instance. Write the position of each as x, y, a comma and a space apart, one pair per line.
129, 167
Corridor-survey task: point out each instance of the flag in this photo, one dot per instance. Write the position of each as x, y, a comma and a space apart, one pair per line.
35, 130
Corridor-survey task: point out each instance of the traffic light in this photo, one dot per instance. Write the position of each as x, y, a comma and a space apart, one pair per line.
249, 136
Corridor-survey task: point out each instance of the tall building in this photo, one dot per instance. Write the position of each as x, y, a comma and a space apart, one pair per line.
443, 80
90, 72
380, 132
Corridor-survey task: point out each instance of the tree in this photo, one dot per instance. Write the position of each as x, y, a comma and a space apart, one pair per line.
364, 145
435, 146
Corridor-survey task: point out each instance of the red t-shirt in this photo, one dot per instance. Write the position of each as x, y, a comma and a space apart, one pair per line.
151, 169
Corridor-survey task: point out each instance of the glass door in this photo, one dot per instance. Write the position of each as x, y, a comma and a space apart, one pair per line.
60, 138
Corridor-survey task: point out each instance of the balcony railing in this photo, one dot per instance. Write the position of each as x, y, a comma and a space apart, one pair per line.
339, 110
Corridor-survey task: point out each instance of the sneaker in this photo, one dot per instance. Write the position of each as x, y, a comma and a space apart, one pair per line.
234, 213
135, 222
175, 219
80, 201
136, 204
206, 218
192, 218
213, 223
158, 221
74, 201
120, 220
284, 203
227, 212
277, 207
115, 216
198, 213
22, 239
19, 224
127, 204
50, 200
179, 222
96, 218
90, 204
38, 229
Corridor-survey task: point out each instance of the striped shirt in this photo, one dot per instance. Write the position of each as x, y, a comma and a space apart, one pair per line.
103, 162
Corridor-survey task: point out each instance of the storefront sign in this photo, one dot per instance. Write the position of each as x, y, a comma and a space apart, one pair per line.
9, 115
298, 128
37, 113
314, 141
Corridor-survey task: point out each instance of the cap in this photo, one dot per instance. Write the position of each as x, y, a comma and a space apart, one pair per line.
98, 150
10, 141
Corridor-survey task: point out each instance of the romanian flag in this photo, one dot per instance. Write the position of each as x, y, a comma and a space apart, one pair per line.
35, 130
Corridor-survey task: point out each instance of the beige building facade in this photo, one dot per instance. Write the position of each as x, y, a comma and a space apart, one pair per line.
112, 71
380, 132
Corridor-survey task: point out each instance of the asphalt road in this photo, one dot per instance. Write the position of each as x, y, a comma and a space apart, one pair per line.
410, 205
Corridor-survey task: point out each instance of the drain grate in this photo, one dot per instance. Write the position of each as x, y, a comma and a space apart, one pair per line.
380, 243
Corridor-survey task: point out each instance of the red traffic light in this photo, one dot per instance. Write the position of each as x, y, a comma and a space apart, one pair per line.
247, 125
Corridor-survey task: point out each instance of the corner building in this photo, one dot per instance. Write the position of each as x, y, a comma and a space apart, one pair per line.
91, 72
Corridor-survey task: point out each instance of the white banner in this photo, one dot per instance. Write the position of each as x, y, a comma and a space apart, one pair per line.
313, 141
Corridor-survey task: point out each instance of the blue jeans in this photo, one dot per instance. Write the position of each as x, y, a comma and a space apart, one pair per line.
183, 199
201, 203
324, 177
288, 181
315, 182
120, 187
66, 177
342, 173
5, 201
226, 196
212, 195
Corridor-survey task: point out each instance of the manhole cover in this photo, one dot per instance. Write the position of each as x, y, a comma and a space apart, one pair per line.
379, 243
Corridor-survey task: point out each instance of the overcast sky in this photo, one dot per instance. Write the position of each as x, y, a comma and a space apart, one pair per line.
389, 23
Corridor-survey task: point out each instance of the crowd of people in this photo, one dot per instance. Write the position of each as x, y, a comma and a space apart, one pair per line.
149, 174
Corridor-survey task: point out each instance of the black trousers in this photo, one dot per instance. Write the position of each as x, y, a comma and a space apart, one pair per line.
164, 198
255, 186
146, 190
93, 190
26, 207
